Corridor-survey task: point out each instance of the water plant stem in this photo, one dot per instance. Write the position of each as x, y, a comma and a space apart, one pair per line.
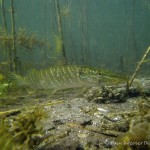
4, 24
60, 30
3, 16
45, 21
14, 50
138, 67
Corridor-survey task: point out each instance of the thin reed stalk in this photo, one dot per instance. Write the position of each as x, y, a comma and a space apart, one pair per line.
139, 66
14, 50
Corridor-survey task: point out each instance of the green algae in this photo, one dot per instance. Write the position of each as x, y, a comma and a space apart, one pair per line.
24, 131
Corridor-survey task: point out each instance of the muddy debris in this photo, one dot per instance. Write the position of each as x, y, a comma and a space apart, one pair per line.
99, 120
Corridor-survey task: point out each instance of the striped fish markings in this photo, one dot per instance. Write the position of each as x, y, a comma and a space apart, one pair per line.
62, 77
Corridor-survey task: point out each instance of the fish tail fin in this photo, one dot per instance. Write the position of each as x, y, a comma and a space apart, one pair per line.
16, 80
18, 84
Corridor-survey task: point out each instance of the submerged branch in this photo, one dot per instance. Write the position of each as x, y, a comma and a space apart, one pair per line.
138, 66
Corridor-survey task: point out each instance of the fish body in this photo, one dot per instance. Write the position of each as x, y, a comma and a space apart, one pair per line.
62, 77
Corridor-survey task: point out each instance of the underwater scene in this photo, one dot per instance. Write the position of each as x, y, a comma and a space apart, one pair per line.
74, 74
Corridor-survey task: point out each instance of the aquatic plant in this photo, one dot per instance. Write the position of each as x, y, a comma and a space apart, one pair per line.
6, 142
13, 65
65, 11
29, 41
3, 89
8, 88
9, 41
23, 41
3, 85
24, 132
2, 77
139, 66
138, 137
3, 15
130, 81
58, 45
60, 29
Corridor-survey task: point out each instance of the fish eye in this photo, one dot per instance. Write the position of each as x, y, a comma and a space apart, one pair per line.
82, 74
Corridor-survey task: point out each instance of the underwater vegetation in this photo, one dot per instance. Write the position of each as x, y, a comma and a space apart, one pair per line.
137, 138
2, 77
3, 85
58, 44
24, 41
29, 40
143, 60
3, 89
24, 130
65, 11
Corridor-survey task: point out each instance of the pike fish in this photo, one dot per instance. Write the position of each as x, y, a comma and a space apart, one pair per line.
63, 77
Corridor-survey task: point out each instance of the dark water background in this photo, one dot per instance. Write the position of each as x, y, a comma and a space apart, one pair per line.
104, 33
